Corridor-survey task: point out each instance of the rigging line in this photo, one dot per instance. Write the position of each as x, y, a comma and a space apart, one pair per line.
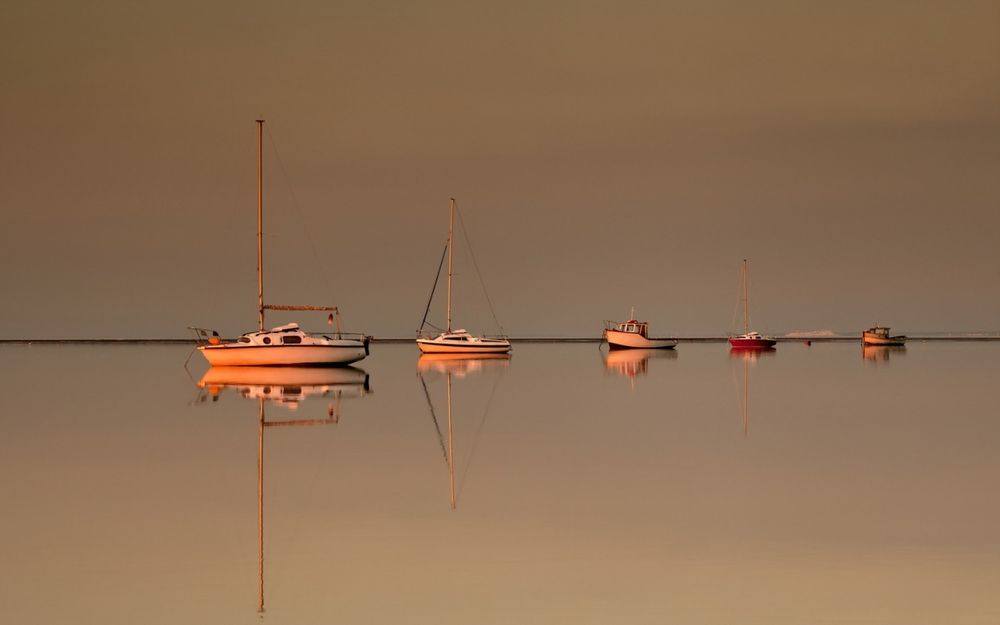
475, 440
430, 299
430, 404
298, 212
472, 255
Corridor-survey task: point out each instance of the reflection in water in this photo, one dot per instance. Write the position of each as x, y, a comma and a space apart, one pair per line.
458, 365
753, 354
748, 356
880, 353
634, 362
461, 364
288, 387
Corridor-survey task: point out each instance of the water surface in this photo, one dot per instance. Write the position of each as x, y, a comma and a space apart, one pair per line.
818, 484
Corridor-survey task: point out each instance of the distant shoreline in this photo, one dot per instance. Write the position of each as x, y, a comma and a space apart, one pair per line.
390, 340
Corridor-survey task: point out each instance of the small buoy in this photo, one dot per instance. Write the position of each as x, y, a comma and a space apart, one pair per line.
329, 319
214, 340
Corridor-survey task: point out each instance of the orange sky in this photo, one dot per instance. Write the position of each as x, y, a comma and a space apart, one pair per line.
604, 155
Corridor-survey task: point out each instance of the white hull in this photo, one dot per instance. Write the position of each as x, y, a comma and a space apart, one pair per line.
480, 346
341, 352
634, 340
877, 340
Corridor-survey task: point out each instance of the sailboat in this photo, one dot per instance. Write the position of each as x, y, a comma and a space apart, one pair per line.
456, 341
285, 345
748, 340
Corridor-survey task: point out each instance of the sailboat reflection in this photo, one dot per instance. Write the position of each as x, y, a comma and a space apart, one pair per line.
457, 365
634, 362
880, 353
288, 387
461, 364
748, 356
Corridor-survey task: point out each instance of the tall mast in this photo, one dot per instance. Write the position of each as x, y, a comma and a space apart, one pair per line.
451, 228
746, 298
260, 225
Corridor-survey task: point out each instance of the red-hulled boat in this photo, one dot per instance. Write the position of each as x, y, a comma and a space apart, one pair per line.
749, 340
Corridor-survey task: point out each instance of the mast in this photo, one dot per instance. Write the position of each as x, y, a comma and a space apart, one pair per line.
746, 298
260, 225
451, 228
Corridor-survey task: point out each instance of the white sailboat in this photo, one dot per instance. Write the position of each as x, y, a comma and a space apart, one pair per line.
285, 345
456, 341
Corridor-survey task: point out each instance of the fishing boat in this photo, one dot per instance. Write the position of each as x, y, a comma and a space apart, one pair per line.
879, 335
749, 339
633, 334
285, 345
456, 341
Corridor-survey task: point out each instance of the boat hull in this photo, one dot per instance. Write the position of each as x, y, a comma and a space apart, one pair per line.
482, 346
737, 342
868, 339
632, 340
239, 355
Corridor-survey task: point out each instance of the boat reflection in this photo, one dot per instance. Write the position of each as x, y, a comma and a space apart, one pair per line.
880, 353
749, 358
752, 354
631, 363
461, 365
457, 366
288, 387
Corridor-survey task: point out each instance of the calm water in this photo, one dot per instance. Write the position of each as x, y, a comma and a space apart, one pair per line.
835, 489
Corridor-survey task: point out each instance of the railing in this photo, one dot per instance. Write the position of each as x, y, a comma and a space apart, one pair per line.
205, 336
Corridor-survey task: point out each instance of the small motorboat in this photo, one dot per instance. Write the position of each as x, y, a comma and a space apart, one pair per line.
879, 335
633, 334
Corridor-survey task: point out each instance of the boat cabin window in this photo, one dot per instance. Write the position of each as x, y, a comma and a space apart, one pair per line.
244, 339
456, 338
267, 340
291, 339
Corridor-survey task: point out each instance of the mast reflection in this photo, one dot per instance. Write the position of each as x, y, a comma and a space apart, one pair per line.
458, 366
749, 357
287, 387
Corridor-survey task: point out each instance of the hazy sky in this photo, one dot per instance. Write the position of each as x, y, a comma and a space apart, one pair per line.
604, 154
